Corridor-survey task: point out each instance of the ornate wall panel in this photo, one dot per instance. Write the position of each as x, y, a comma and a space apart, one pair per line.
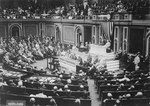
31, 29
10, 29
148, 41
58, 31
76, 27
50, 30
87, 33
68, 34
3, 30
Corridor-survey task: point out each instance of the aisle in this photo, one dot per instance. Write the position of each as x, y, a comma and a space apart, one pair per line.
93, 93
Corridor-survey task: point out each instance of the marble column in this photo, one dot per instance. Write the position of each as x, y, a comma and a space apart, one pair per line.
148, 15
0, 4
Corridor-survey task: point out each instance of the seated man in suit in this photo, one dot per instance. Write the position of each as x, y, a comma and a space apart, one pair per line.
7, 59
139, 95
11, 83
52, 101
77, 102
109, 97
32, 102
137, 61
107, 45
21, 62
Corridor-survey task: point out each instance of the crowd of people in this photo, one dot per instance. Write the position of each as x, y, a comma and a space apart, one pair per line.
26, 51
78, 11
132, 62
124, 87
21, 54
45, 87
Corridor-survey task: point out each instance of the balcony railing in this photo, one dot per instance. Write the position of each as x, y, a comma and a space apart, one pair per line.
122, 16
113, 17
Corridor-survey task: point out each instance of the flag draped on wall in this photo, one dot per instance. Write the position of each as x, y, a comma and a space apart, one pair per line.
107, 29
111, 24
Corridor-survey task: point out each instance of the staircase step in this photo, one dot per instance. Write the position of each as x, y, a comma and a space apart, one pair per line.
112, 65
109, 67
68, 63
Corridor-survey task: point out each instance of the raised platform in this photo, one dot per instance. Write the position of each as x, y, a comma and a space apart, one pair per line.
100, 51
68, 64
95, 50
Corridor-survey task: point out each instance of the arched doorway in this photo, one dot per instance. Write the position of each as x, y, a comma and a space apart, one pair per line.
58, 35
148, 44
148, 47
15, 32
136, 43
79, 37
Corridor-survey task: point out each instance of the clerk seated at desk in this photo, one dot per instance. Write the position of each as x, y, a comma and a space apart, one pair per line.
83, 48
107, 45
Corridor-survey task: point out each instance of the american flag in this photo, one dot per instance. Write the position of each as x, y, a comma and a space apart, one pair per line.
107, 28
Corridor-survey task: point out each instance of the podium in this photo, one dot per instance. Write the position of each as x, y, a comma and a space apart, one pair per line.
54, 64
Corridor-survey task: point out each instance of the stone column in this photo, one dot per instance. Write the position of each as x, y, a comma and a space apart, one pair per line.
0, 4
148, 15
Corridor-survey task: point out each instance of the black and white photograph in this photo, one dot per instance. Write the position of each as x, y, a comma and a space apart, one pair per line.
74, 52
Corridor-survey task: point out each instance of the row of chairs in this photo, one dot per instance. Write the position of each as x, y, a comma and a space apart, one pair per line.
136, 74
128, 102
113, 91
74, 81
42, 101
116, 94
114, 88
29, 91
50, 86
143, 84
16, 69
